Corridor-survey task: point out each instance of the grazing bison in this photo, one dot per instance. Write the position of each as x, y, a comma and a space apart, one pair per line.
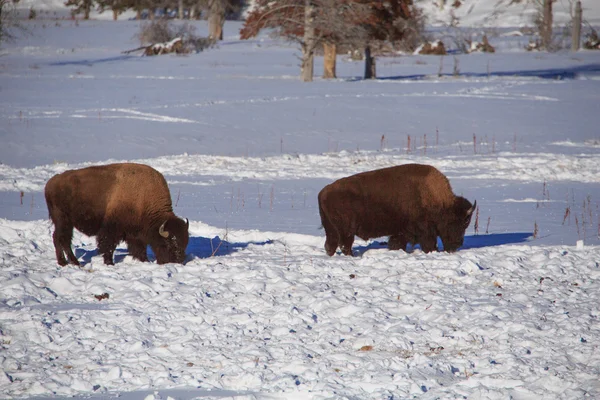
411, 203
116, 202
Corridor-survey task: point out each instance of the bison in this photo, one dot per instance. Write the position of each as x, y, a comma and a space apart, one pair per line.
116, 202
410, 203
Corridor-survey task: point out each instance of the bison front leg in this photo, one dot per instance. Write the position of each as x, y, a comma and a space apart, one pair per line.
107, 243
429, 243
397, 242
346, 245
137, 249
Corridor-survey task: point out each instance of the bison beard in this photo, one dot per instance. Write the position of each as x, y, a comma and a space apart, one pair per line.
116, 202
410, 203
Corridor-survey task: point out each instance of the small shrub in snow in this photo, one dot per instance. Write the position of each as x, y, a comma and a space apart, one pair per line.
592, 41
164, 36
436, 48
484, 46
157, 31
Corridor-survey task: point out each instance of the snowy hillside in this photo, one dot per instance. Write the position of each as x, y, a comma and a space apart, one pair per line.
471, 13
258, 311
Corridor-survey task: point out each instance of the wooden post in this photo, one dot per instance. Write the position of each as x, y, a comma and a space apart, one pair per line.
370, 68
576, 36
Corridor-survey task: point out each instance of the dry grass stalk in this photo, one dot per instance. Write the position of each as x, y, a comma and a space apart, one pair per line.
535, 230
215, 250
567, 215
476, 224
408, 145
487, 228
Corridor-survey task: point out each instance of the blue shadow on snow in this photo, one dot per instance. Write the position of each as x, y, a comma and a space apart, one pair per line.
198, 247
471, 242
551, 73
90, 63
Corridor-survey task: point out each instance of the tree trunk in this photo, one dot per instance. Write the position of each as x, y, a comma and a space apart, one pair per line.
547, 25
370, 70
216, 19
329, 59
115, 14
308, 43
180, 8
138, 13
87, 5
576, 37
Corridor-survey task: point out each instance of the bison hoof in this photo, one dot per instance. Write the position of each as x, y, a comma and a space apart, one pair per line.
108, 261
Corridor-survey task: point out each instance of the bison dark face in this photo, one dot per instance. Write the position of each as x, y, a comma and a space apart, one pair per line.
173, 237
452, 232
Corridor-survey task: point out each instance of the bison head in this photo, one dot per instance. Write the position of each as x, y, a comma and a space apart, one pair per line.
172, 240
452, 231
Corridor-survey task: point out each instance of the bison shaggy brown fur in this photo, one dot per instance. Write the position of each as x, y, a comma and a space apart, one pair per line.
410, 203
116, 202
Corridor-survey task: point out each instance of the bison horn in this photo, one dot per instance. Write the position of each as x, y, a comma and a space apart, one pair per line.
472, 208
187, 223
162, 231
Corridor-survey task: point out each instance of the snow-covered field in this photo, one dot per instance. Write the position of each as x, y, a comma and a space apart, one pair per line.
259, 311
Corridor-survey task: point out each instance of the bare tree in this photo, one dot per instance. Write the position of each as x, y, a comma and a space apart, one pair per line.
314, 23
116, 6
289, 19
80, 7
543, 19
8, 19
216, 19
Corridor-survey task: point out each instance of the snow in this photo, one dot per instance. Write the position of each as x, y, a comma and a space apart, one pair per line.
258, 311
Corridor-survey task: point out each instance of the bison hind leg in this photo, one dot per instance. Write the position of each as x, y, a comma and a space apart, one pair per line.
137, 249
62, 237
60, 255
331, 245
